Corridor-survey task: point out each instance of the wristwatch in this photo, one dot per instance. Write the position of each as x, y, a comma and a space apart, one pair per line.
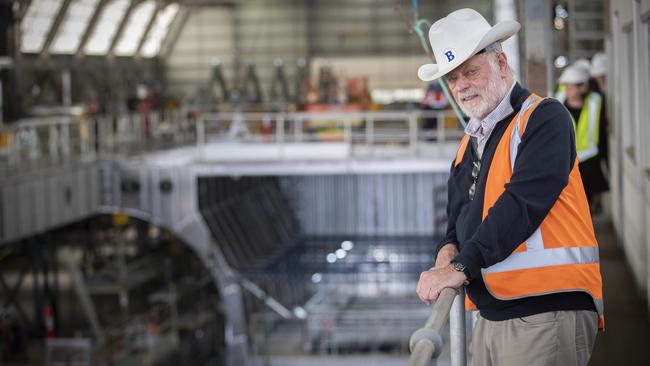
459, 267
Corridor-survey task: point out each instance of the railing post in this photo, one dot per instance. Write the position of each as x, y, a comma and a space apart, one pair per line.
298, 129
279, 134
413, 133
53, 142
15, 142
33, 144
347, 134
457, 330
200, 131
65, 140
440, 127
370, 132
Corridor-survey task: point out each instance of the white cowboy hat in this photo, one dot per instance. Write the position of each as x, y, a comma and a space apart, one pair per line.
598, 64
459, 36
574, 74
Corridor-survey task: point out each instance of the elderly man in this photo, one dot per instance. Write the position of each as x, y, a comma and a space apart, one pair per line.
519, 236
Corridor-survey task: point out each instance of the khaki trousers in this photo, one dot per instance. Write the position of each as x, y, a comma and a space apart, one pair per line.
558, 338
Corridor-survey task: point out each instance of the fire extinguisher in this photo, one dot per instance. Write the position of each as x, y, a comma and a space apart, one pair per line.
267, 128
49, 321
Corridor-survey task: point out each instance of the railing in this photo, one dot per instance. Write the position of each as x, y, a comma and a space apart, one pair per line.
51, 141
35, 143
369, 128
426, 343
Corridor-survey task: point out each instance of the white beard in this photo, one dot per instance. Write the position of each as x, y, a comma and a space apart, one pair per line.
485, 100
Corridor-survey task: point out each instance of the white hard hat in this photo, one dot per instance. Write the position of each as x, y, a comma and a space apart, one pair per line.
582, 63
598, 64
459, 36
574, 75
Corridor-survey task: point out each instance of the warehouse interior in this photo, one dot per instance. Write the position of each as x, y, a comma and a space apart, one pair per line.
261, 182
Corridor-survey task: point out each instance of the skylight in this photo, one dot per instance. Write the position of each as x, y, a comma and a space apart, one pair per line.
135, 28
74, 26
104, 32
159, 30
37, 23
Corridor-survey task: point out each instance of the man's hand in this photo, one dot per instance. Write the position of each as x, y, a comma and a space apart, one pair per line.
445, 255
433, 281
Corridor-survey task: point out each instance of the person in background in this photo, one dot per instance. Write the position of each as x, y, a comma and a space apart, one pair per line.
519, 235
434, 100
581, 63
598, 72
586, 109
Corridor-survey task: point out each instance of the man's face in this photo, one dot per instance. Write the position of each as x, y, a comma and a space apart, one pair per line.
576, 91
478, 84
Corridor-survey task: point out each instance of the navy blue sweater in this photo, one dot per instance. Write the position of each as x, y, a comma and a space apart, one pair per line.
544, 160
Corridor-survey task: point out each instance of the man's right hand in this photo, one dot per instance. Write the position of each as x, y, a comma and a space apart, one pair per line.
445, 255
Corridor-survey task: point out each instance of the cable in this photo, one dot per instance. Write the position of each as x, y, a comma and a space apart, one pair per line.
416, 26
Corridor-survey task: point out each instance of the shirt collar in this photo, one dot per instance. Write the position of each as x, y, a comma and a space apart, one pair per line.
482, 128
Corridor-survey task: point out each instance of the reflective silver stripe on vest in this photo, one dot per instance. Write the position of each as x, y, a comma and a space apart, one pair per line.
545, 258
515, 136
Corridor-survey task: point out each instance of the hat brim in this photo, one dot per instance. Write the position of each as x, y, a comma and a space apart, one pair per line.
572, 79
499, 33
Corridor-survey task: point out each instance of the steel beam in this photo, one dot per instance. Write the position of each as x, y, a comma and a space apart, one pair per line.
174, 31
147, 30
54, 29
90, 28
120, 28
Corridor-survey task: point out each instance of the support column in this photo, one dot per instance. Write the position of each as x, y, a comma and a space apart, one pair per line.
536, 67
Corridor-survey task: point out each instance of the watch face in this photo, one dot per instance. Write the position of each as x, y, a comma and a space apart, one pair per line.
459, 267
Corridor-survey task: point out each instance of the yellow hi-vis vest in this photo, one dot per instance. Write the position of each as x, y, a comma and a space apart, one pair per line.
587, 130
562, 254
560, 94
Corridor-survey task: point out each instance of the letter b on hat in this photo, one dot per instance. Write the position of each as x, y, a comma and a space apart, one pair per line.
450, 55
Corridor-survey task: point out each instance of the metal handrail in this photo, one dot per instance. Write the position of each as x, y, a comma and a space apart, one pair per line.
48, 141
426, 343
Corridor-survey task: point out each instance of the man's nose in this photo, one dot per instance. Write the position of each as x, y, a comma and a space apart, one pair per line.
462, 83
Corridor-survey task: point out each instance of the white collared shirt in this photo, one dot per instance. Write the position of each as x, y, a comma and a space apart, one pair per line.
482, 129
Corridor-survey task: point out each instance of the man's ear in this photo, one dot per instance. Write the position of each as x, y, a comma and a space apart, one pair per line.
503, 61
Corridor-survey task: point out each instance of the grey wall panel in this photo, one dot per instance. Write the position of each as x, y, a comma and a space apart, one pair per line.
41, 208
54, 201
25, 207
208, 33
380, 204
94, 195
43, 202
9, 211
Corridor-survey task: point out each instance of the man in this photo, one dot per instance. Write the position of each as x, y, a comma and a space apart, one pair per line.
581, 63
598, 72
519, 234
586, 109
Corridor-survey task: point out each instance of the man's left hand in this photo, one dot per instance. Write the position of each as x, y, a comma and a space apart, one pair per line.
433, 281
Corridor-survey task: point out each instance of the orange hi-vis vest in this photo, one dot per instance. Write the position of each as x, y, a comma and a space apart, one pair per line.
562, 254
